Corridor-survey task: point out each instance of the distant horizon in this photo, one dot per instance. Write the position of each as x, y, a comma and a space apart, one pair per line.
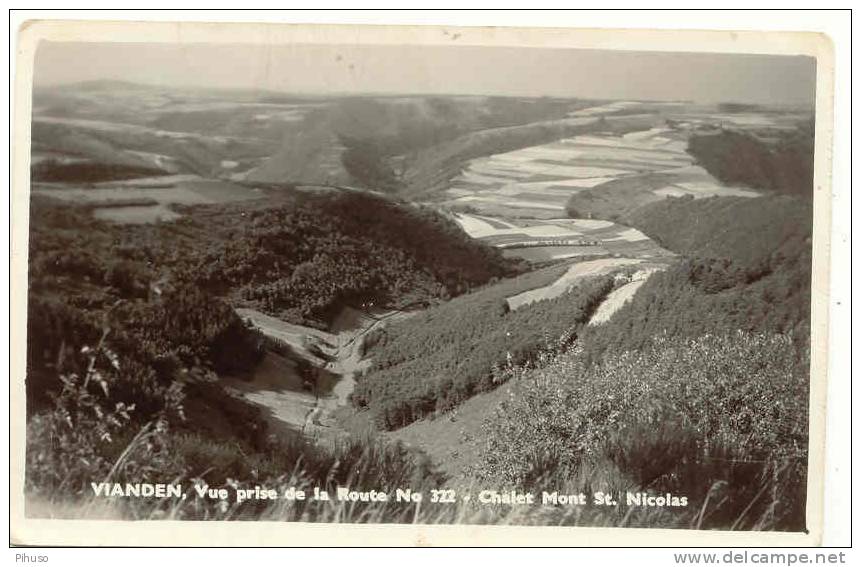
331, 71
331, 95
313, 94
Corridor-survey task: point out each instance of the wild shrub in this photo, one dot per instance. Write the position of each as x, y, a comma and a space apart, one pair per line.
89, 436
725, 413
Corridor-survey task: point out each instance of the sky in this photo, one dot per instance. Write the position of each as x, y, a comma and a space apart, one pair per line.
413, 69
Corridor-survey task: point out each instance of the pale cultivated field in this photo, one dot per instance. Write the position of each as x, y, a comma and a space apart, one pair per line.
604, 109
163, 191
614, 301
475, 226
537, 240
482, 226
576, 272
652, 134
136, 214
538, 181
517, 199
620, 296
544, 177
497, 223
628, 235
581, 224
540, 231
541, 186
511, 203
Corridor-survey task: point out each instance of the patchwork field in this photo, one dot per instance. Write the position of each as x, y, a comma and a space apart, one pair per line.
519, 200
538, 179
543, 240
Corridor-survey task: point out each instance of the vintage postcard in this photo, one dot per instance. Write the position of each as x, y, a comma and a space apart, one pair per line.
356, 285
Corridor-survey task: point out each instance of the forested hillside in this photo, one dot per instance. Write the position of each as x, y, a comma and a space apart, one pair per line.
164, 290
130, 326
369, 142
746, 230
746, 265
433, 168
305, 260
778, 162
86, 283
782, 163
117, 351
436, 359
697, 387
373, 132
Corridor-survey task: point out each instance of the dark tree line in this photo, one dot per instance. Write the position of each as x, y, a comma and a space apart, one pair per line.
52, 170
783, 164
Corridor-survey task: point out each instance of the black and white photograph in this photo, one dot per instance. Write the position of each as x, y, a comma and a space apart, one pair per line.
444, 282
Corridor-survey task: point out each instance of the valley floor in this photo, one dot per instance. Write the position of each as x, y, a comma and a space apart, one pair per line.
322, 410
294, 403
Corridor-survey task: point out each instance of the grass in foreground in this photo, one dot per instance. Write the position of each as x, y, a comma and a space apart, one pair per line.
720, 420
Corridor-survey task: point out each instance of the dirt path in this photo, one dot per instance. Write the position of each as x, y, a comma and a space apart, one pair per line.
280, 390
347, 362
